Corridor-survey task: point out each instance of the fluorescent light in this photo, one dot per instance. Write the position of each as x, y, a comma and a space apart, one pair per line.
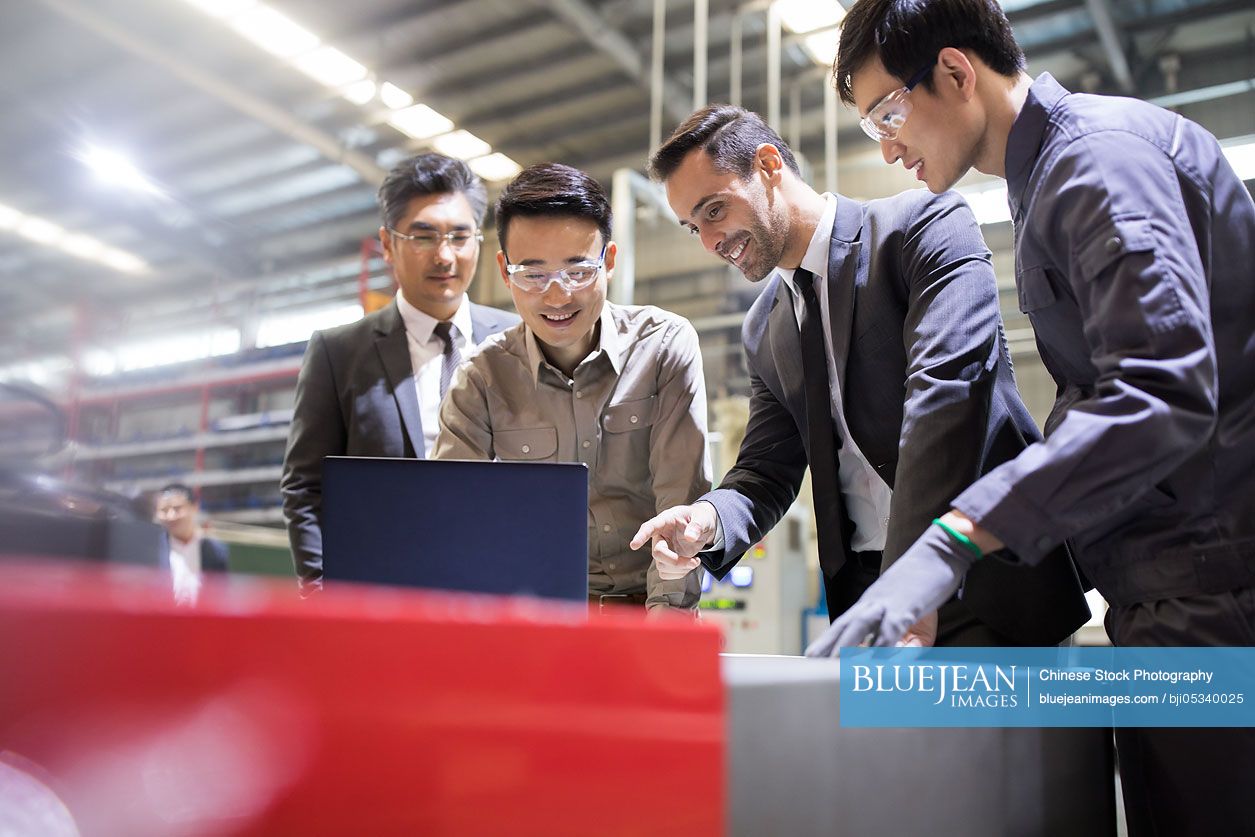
329, 66
113, 167
420, 122
394, 97
83, 246
461, 144
822, 46
1241, 155
274, 32
495, 167
39, 230
808, 15
359, 92
99, 363
9, 217
122, 260
988, 203
281, 329
222, 8
178, 349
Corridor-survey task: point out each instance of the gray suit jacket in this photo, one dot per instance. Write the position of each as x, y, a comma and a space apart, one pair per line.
928, 394
355, 396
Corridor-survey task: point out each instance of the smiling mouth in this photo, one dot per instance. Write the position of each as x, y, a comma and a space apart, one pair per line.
916, 167
734, 253
559, 319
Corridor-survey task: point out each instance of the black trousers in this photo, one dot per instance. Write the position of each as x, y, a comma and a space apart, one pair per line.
957, 626
1189, 781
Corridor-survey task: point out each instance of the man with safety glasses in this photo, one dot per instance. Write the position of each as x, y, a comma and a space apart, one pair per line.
1134, 245
617, 387
373, 387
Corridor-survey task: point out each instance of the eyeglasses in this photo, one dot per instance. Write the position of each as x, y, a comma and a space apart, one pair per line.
887, 116
457, 239
575, 277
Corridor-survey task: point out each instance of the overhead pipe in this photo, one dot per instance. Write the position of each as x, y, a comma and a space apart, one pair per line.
773, 67
628, 187
701, 18
655, 73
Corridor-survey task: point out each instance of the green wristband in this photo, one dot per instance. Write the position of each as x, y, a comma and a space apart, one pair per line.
961, 538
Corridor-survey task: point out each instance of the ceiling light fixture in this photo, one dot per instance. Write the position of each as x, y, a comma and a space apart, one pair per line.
274, 31
495, 166
420, 122
800, 16
461, 144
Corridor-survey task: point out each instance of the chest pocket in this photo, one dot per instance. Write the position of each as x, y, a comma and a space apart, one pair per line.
1034, 289
530, 444
627, 416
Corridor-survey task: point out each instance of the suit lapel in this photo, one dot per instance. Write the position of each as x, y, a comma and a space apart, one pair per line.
481, 326
786, 351
843, 281
394, 353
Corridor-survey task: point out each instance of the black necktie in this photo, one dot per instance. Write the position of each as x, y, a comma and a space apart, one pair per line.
823, 443
452, 357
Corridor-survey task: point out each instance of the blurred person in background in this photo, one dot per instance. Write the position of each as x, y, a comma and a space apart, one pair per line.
191, 553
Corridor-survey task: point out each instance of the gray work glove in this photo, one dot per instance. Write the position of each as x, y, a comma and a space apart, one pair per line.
919, 582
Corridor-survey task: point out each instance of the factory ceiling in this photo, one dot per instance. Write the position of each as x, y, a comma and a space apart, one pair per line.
252, 168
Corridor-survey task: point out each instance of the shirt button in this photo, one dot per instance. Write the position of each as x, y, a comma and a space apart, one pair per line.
611, 565
586, 444
633, 419
579, 393
527, 448
1113, 244
605, 527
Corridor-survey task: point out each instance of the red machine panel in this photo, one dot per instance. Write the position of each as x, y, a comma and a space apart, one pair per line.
368, 711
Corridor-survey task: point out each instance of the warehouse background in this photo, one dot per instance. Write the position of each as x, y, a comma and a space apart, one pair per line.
187, 187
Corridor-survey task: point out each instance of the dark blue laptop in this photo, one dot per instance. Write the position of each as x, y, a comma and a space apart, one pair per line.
515, 528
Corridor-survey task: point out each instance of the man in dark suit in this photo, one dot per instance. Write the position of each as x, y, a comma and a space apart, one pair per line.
191, 553
373, 387
877, 357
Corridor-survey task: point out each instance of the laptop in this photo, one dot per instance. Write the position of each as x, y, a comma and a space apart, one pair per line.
513, 528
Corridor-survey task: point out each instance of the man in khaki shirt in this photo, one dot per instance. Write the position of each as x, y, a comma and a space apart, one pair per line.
619, 388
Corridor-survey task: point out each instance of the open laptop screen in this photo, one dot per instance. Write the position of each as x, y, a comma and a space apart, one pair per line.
484, 527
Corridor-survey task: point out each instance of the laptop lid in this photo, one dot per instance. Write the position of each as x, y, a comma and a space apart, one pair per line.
515, 528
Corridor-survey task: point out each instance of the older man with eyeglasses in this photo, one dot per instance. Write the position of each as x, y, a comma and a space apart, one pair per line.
373, 387
617, 387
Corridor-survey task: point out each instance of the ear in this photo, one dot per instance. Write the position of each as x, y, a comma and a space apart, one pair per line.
957, 74
612, 250
769, 161
505, 275
385, 240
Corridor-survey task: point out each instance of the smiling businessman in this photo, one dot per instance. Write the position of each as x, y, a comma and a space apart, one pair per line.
876, 358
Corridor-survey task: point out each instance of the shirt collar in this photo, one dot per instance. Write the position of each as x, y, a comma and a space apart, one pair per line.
420, 325
816, 257
609, 341
1027, 132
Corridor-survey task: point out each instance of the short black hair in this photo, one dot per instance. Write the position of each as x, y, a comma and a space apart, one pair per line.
178, 488
728, 134
429, 174
907, 34
555, 190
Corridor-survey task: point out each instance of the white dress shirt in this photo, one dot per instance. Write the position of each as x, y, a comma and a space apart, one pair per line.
866, 495
185, 569
427, 356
